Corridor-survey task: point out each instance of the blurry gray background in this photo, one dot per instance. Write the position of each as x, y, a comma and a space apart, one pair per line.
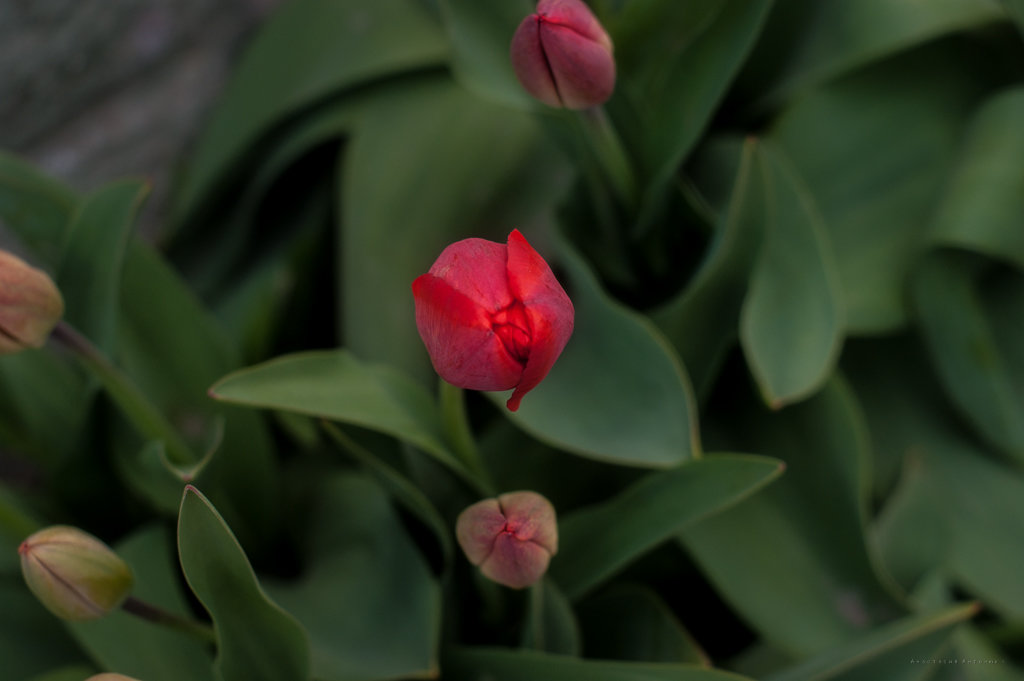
92, 90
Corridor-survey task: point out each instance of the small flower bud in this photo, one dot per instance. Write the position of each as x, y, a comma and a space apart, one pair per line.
75, 575
30, 305
107, 676
563, 56
511, 538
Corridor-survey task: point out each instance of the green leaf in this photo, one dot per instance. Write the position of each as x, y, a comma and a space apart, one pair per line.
396, 218
480, 34
515, 665
256, 639
791, 323
598, 541
43, 404
551, 625
900, 651
335, 385
630, 622
35, 207
32, 640
1016, 10
617, 393
877, 184
141, 649
815, 42
671, 99
971, 319
174, 350
983, 203
368, 599
93, 255
701, 321
343, 44
964, 509
401, 489
799, 546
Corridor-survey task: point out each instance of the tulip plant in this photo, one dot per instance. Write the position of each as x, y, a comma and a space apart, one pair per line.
661, 340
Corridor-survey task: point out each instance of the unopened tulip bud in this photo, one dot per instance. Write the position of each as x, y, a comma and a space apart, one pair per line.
563, 56
511, 538
75, 575
30, 305
110, 677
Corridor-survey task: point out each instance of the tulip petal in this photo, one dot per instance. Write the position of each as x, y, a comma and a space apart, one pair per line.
583, 70
457, 333
476, 268
576, 14
515, 563
548, 310
531, 65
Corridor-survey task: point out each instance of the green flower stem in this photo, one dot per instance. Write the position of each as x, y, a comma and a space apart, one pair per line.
152, 613
607, 147
459, 434
136, 407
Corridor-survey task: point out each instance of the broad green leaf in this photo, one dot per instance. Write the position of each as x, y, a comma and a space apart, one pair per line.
617, 393
416, 177
256, 639
151, 474
368, 600
306, 52
498, 664
814, 41
964, 509
142, 649
630, 622
982, 207
93, 256
550, 623
480, 33
972, 321
900, 650
799, 546
32, 640
35, 207
333, 384
792, 320
1016, 10
669, 101
174, 350
702, 321
877, 183
401, 489
43, 406
598, 541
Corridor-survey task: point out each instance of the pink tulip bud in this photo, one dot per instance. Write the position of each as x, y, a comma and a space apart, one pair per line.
563, 56
493, 317
75, 575
30, 305
511, 538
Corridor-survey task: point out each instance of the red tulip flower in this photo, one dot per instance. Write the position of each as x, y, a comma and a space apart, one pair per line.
563, 56
493, 316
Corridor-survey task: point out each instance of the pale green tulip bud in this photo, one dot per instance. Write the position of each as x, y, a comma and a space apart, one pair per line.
107, 676
511, 538
30, 305
75, 575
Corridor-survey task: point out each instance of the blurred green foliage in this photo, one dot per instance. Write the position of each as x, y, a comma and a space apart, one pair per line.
786, 441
